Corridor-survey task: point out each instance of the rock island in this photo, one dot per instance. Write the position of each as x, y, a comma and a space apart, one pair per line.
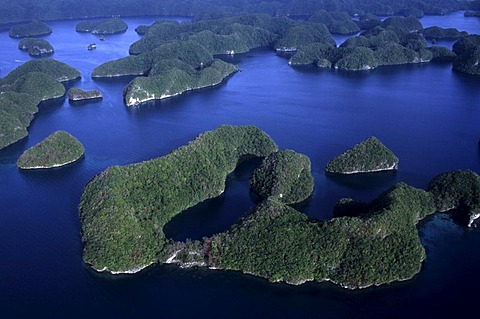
77, 94
58, 149
366, 157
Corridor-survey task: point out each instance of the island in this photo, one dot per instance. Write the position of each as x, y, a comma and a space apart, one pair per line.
219, 36
438, 33
402, 25
155, 56
23, 89
188, 52
36, 47
172, 58
172, 68
32, 29
58, 149
109, 26
173, 78
77, 94
284, 176
468, 54
237, 34
395, 41
123, 210
366, 157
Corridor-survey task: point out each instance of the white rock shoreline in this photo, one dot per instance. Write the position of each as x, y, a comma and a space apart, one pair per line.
392, 167
50, 166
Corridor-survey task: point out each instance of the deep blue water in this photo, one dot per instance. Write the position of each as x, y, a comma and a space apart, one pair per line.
426, 114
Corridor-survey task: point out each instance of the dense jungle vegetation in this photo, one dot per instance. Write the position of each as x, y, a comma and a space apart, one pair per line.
25, 10
58, 149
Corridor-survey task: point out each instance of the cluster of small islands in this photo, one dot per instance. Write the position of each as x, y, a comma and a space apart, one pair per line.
124, 209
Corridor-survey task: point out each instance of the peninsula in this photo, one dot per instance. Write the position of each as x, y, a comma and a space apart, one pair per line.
279, 243
172, 68
380, 245
284, 176
366, 157
124, 209
58, 149
23, 89
468, 55
171, 81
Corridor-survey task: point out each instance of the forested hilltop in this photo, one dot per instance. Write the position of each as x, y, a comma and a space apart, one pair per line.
25, 10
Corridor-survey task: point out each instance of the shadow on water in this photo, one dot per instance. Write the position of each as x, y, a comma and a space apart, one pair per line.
303, 206
459, 216
11, 153
468, 81
86, 102
478, 149
364, 181
116, 79
51, 105
217, 214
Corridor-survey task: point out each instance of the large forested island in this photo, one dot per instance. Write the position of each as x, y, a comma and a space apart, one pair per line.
58, 149
124, 209
34, 28
23, 89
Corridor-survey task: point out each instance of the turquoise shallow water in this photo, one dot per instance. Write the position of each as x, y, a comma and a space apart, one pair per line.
426, 114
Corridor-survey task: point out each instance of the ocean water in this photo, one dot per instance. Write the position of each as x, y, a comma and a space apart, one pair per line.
426, 114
